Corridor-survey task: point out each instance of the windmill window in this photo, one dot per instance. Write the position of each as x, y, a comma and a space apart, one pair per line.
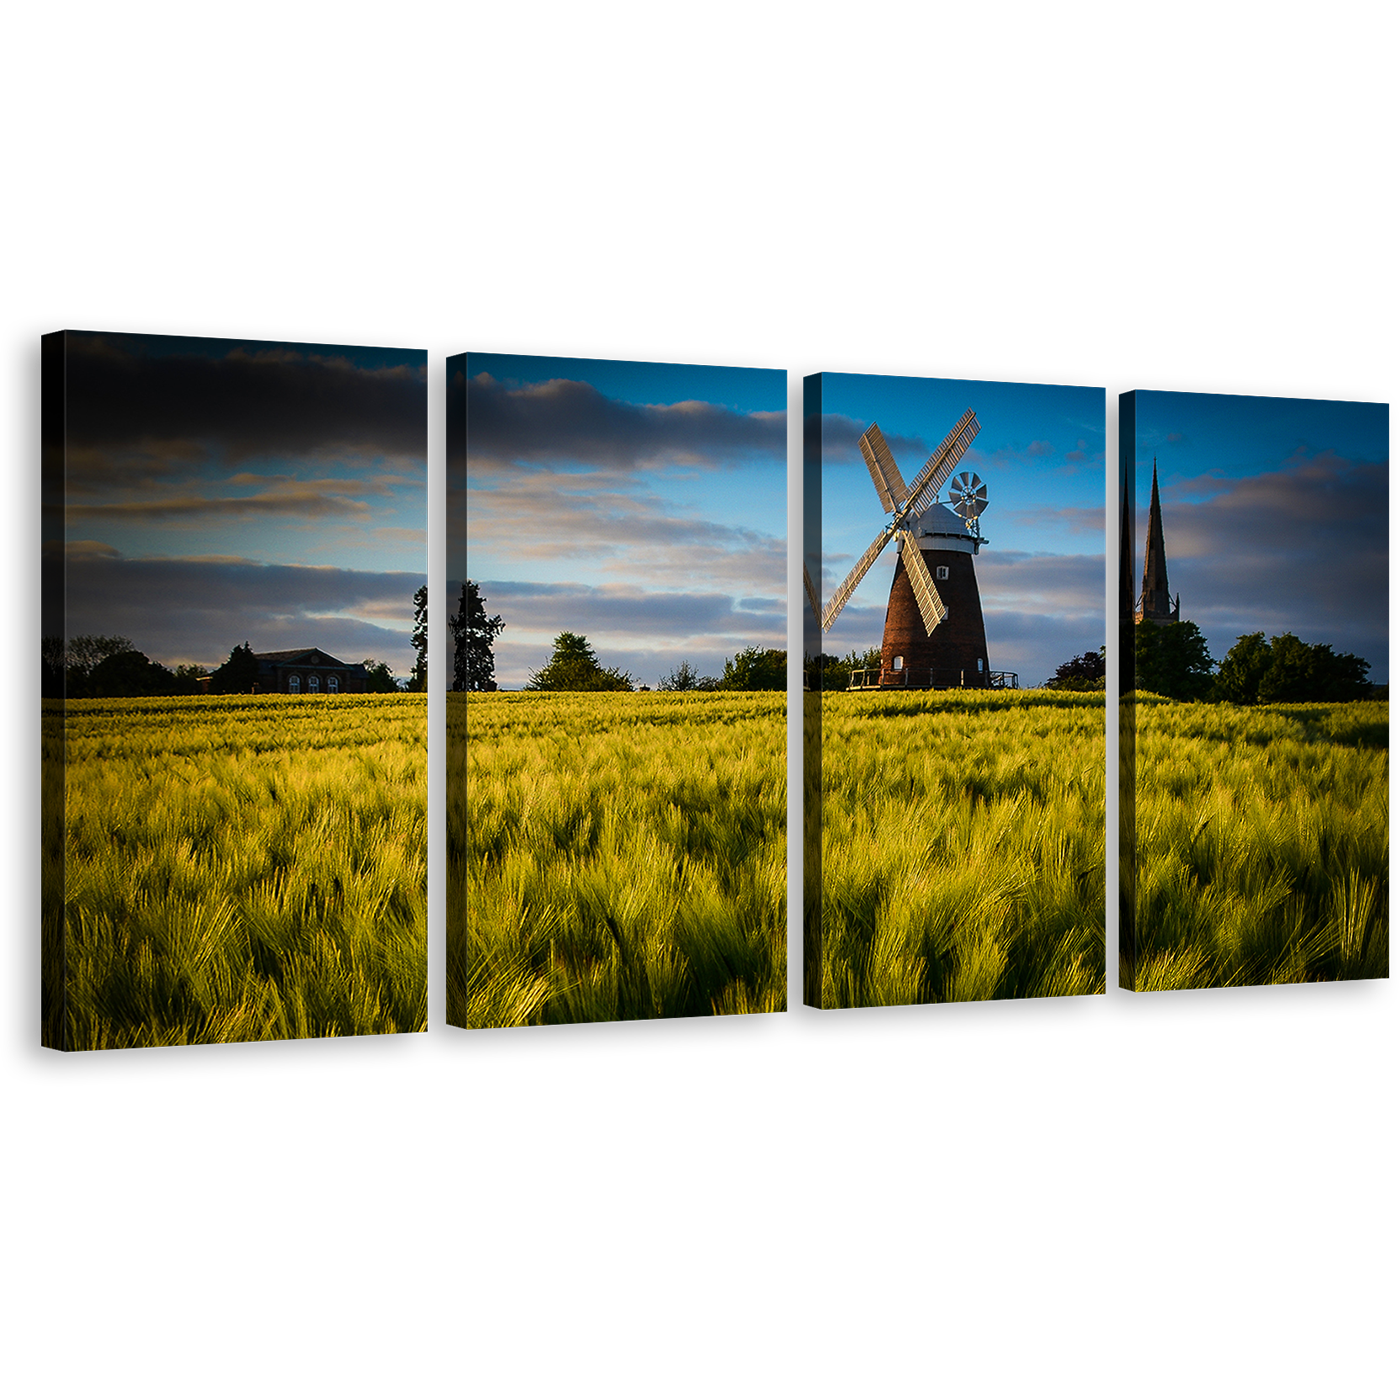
313, 682
942, 571
294, 684
979, 665
899, 663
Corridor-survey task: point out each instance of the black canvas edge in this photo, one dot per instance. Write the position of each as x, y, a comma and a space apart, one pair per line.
456, 728
811, 694
975, 1043
1127, 696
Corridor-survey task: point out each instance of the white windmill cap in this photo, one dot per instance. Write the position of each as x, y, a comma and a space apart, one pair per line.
939, 520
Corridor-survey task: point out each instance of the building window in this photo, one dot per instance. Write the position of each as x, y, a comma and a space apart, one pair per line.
899, 663
313, 683
333, 684
942, 571
294, 684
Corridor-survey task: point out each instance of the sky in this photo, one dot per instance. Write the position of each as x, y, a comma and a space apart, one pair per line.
1275, 514
642, 505
1040, 453
220, 492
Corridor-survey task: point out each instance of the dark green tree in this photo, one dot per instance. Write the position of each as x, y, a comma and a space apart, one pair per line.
473, 638
379, 679
573, 666
238, 675
187, 678
684, 677
1085, 672
836, 671
1300, 672
130, 673
1173, 660
68, 667
52, 667
1244, 667
756, 668
418, 679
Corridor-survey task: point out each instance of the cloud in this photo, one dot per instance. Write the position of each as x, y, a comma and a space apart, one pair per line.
1072, 520
187, 610
841, 435
1040, 448
1043, 584
565, 420
621, 527
1303, 549
168, 403
621, 611
299, 504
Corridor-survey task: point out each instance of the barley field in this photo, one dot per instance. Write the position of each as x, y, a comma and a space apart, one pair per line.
236, 868
616, 856
962, 846
1263, 844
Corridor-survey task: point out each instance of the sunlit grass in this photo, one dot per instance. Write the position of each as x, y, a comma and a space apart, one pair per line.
962, 846
1263, 844
624, 856
243, 868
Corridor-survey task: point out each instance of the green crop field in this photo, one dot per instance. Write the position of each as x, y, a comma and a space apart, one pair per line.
962, 846
236, 868
614, 856
1263, 844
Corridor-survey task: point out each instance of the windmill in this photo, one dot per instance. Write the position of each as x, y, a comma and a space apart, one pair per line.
935, 587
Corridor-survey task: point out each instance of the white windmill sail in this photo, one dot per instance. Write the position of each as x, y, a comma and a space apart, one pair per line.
906, 503
931, 606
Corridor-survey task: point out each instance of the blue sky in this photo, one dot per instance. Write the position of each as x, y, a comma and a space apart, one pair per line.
222, 491
1040, 453
642, 505
1275, 514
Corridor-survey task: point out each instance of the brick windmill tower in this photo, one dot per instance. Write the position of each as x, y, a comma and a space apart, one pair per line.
1155, 603
934, 634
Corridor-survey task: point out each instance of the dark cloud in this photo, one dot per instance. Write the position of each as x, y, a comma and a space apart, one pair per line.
178, 610
165, 401
841, 437
565, 420
1040, 448
1304, 549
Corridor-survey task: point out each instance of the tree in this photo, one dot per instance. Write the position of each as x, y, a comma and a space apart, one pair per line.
418, 679
684, 677
1172, 660
379, 679
1085, 672
836, 670
756, 668
1243, 668
238, 675
51, 668
473, 636
68, 666
187, 678
575, 667
130, 673
1289, 670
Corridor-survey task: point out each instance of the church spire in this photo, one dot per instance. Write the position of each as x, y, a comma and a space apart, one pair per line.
1155, 605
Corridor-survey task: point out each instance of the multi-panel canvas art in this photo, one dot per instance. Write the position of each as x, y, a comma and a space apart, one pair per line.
954, 722
235, 680
235, 690
617, 790
1254, 720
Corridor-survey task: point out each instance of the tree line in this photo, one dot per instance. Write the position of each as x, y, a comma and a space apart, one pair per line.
574, 665
103, 668
1174, 660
